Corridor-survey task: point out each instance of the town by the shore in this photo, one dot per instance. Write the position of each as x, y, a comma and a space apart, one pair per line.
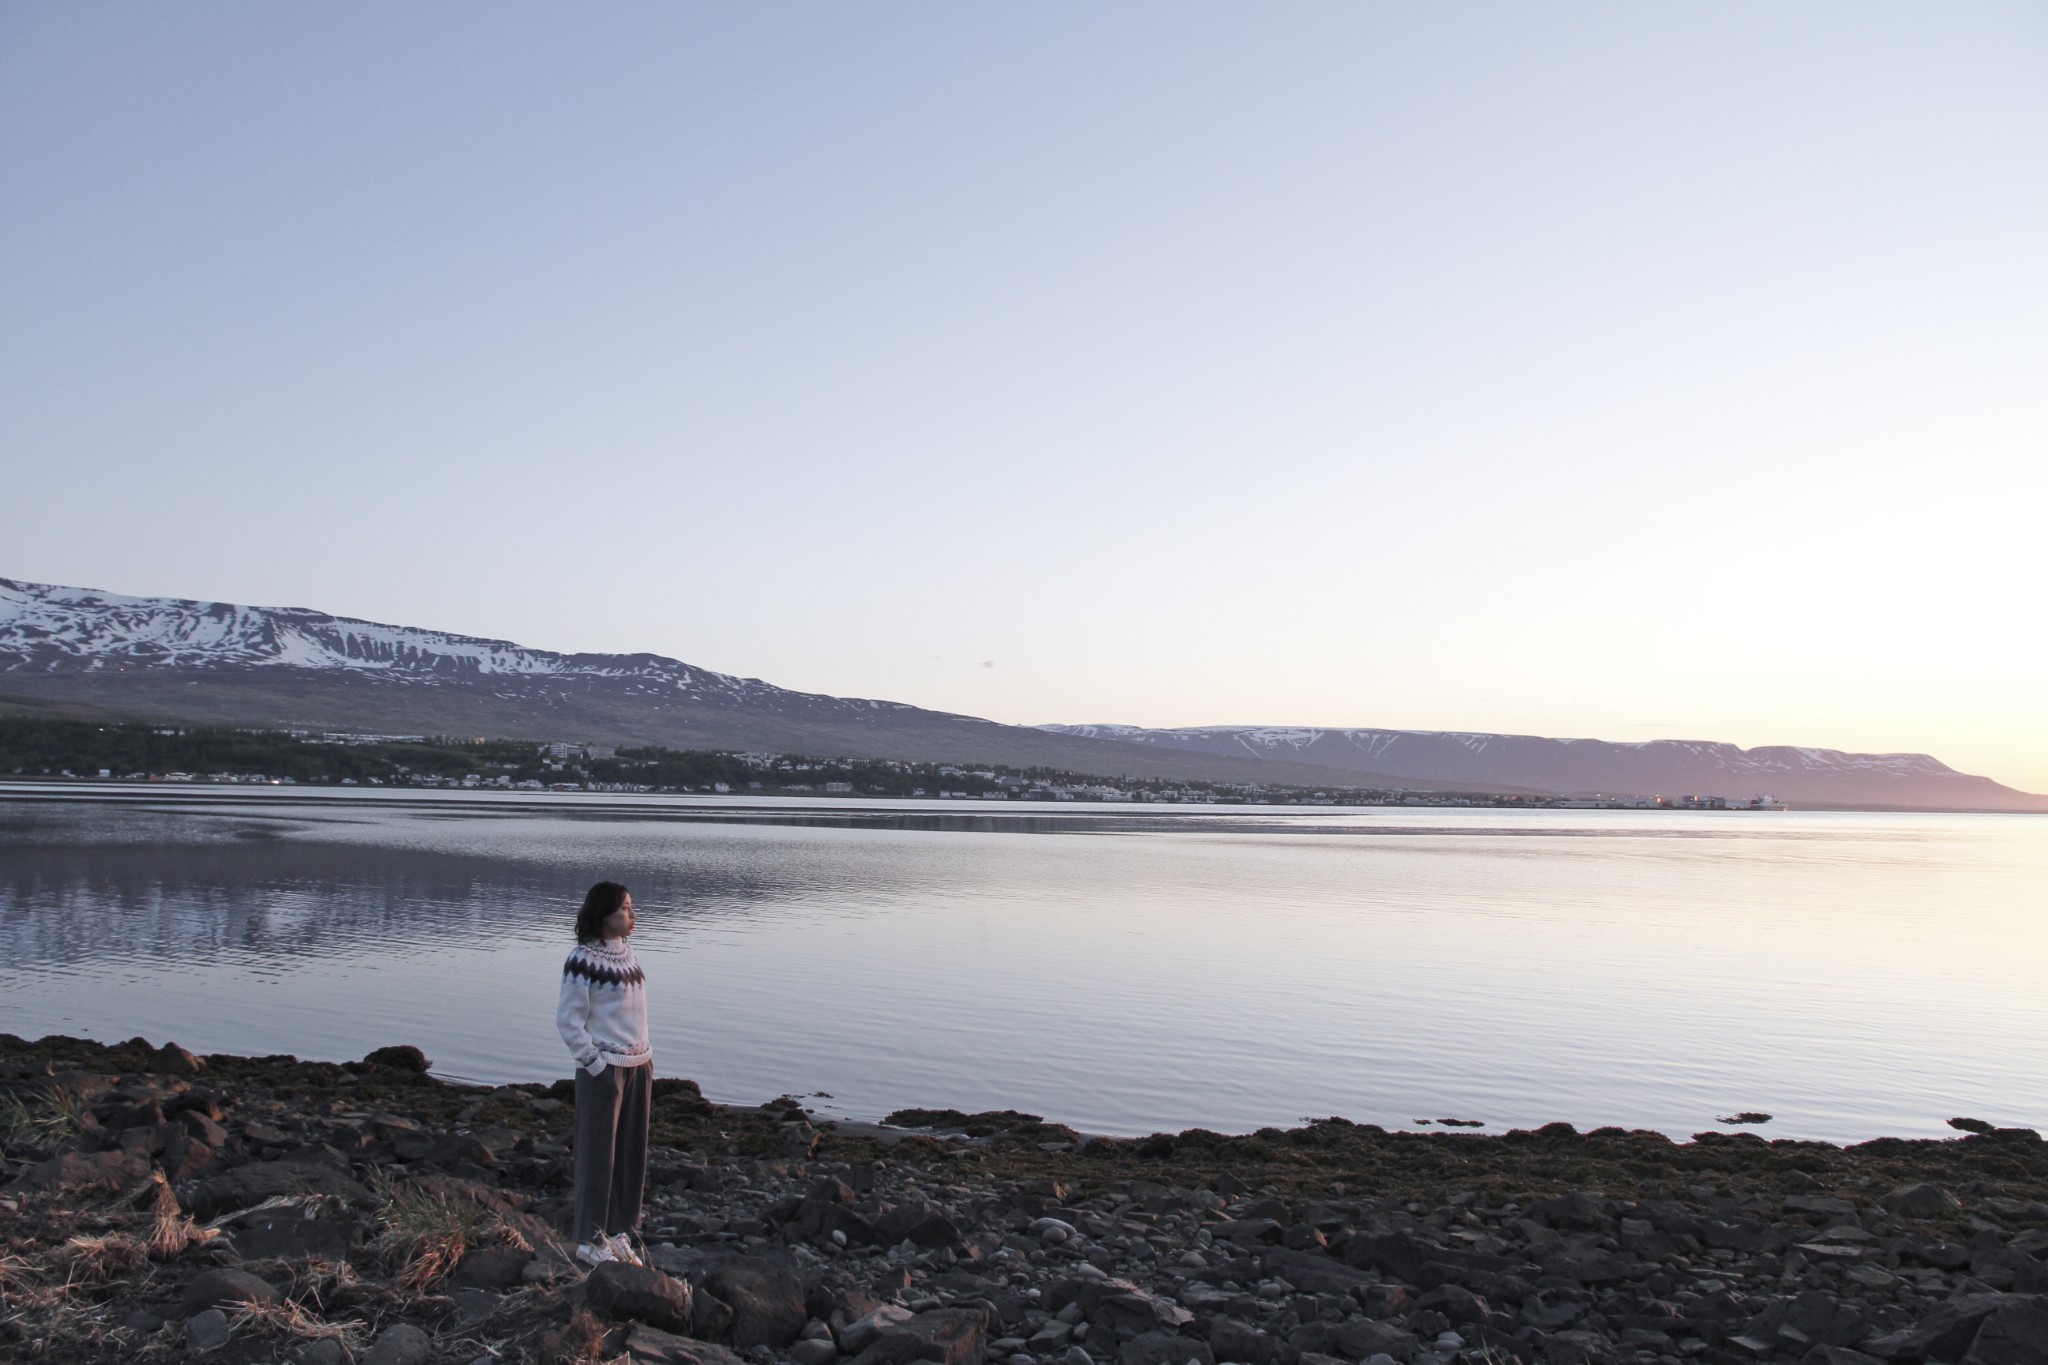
156, 1205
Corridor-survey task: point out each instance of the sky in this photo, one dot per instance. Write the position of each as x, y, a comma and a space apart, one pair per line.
1612, 370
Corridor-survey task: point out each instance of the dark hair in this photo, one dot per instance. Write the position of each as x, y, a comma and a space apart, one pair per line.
600, 903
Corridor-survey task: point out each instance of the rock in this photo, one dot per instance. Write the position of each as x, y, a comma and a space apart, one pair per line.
474, 1305
1249, 1232
261, 1180
857, 1335
175, 1060
1578, 1348
1165, 1348
1362, 1337
651, 1346
1837, 1355
947, 1336
400, 1344
143, 1320
492, 1268
403, 1057
766, 1299
1577, 1210
207, 1330
78, 1171
320, 1351
814, 1352
2014, 1333
1919, 1201
639, 1294
1313, 1273
288, 1235
1233, 1340
225, 1287
1587, 1265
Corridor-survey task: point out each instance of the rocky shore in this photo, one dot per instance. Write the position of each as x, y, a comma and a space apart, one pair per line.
155, 1205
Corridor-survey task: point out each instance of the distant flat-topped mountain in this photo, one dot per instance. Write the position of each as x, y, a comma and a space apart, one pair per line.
1658, 767
220, 663
86, 652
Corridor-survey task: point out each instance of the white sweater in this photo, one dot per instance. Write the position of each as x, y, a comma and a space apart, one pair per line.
603, 1014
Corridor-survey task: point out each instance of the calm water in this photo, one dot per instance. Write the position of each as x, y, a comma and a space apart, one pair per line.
1120, 970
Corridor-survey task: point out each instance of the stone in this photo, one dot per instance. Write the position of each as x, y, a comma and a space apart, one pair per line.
288, 1235
225, 1287
651, 1346
175, 1060
1165, 1348
400, 1344
1576, 1210
319, 1351
1837, 1355
260, 1180
474, 1305
1920, 1201
1578, 1348
1314, 1274
639, 1294
857, 1335
143, 1320
492, 1268
207, 1330
1236, 1341
1362, 1337
78, 1171
814, 1352
2014, 1333
767, 1301
947, 1336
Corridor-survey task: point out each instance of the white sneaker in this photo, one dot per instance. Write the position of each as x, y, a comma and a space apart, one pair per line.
622, 1250
596, 1253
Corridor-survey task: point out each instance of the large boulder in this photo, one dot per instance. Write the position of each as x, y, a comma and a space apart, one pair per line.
651, 1346
246, 1186
79, 1171
766, 1301
636, 1293
224, 1287
946, 1336
1920, 1201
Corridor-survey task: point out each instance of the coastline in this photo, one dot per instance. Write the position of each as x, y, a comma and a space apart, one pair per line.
158, 1205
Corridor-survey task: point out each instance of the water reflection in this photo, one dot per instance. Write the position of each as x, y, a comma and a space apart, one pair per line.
1124, 970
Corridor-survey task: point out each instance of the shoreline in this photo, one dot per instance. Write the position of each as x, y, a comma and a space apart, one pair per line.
157, 1205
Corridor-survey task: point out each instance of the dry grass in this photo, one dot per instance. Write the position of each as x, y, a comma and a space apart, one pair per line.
424, 1236
97, 1259
290, 1319
26, 1128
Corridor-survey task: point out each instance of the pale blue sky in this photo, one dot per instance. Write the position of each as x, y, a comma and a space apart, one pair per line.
1621, 370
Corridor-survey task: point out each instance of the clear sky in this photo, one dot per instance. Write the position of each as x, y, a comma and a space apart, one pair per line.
1614, 370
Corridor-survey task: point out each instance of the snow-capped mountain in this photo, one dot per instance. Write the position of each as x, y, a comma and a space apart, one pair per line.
1668, 767
92, 652
49, 629
89, 652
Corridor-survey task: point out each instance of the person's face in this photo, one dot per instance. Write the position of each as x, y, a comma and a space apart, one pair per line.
619, 922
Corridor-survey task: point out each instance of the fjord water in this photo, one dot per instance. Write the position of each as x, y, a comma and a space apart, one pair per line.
1121, 969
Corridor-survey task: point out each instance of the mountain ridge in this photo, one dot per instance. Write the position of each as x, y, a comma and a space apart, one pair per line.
1581, 766
294, 667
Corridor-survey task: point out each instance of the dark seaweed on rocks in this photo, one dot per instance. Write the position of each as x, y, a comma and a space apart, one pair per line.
158, 1205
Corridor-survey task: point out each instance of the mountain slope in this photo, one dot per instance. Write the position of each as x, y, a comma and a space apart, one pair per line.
101, 654
220, 663
1667, 767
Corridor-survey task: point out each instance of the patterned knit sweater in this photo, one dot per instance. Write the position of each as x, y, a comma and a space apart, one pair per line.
603, 1014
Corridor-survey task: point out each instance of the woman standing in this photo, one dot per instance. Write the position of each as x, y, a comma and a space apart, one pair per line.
603, 1019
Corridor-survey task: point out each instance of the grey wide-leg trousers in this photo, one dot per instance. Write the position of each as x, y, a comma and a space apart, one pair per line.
612, 1112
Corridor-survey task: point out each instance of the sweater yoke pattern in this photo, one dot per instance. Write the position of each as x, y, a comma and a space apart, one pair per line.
600, 973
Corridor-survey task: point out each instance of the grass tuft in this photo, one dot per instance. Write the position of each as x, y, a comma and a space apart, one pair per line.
424, 1236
